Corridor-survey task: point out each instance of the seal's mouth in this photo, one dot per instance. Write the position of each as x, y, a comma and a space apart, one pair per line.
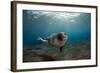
63, 38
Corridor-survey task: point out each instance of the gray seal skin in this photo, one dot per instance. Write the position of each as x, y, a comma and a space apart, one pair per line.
56, 39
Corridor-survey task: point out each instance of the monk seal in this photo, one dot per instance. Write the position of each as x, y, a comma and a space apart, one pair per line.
56, 39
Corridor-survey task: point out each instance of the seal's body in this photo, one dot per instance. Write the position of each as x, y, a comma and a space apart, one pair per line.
56, 39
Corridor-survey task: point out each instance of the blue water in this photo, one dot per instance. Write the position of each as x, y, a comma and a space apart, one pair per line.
44, 23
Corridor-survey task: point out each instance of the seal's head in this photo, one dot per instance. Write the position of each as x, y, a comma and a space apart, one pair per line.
59, 39
61, 36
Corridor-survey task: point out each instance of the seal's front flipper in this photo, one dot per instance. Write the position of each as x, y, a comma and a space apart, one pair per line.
61, 49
